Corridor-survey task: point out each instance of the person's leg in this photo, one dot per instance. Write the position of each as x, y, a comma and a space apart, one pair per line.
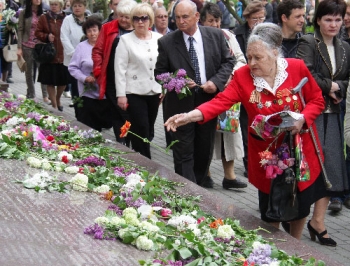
52, 94
318, 216
203, 149
243, 120
28, 57
4, 76
296, 228
60, 90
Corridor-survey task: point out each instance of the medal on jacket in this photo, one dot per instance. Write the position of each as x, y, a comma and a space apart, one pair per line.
255, 97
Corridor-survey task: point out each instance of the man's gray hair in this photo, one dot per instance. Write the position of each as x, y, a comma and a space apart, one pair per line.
193, 5
269, 33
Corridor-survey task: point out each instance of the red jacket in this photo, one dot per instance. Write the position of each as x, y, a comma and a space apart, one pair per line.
240, 90
101, 53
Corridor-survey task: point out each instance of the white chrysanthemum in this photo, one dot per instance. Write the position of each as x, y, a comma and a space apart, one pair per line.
132, 184
34, 162
142, 242
13, 121
258, 245
177, 242
274, 263
50, 120
79, 182
128, 211
122, 232
39, 179
116, 221
182, 221
71, 169
131, 177
148, 226
102, 189
194, 228
64, 153
225, 231
102, 220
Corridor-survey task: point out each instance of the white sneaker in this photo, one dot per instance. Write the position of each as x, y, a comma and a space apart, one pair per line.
67, 94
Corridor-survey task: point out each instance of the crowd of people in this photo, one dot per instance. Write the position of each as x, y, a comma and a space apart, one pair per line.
110, 68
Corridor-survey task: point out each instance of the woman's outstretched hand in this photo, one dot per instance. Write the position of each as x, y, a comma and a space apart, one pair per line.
176, 121
182, 119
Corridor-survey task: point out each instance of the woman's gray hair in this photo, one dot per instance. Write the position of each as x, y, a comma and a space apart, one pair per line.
269, 34
125, 6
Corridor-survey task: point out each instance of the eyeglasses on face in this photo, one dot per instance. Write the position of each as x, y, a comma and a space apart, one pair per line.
142, 18
162, 16
258, 19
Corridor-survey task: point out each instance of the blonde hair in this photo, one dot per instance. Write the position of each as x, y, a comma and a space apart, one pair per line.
143, 9
57, 1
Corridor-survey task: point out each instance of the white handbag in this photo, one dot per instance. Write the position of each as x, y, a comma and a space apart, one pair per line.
10, 51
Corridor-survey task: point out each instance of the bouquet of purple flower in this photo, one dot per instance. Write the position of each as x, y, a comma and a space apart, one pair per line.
177, 82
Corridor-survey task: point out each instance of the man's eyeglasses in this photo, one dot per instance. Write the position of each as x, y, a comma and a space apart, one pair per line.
162, 16
258, 19
142, 18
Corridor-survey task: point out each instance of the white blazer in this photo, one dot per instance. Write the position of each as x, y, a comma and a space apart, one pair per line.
134, 65
71, 34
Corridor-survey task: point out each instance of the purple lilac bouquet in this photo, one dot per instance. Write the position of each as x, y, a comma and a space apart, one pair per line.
175, 82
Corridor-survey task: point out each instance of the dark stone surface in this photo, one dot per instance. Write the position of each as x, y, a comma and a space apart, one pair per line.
47, 228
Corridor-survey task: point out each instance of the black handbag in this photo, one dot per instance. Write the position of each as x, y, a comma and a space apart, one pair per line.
283, 202
44, 52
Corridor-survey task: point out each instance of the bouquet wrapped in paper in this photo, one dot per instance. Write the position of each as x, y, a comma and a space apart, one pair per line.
270, 126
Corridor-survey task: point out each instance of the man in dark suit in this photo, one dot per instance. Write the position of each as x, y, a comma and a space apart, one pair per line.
192, 155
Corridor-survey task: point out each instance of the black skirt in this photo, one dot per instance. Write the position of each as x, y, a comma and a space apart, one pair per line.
53, 74
305, 199
95, 113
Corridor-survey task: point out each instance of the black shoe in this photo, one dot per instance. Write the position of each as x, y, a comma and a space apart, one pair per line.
207, 182
235, 183
347, 203
71, 104
286, 227
323, 241
335, 205
60, 108
245, 173
9, 80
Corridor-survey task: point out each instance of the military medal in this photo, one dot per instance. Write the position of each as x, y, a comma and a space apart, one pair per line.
295, 97
288, 99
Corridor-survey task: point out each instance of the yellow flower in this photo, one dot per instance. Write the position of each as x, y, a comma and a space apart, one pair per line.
63, 147
24, 133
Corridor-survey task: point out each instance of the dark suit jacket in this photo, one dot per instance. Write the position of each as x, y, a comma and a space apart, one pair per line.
173, 55
314, 52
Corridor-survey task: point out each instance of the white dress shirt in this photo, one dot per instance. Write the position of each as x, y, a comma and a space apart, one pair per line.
198, 46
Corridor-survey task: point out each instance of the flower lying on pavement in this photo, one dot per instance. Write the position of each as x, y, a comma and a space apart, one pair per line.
79, 182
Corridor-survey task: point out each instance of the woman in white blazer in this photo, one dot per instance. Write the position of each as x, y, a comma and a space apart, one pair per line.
137, 90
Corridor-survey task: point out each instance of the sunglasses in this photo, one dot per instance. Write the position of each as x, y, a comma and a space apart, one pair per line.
142, 18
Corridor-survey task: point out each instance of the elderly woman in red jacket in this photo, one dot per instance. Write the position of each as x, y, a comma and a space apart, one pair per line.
264, 87
103, 55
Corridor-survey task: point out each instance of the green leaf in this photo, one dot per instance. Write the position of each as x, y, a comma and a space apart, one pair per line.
185, 253
196, 262
3, 113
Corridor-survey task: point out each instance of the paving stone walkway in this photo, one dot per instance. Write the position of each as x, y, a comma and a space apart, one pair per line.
338, 224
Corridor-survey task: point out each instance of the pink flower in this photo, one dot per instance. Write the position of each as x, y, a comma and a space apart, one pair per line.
199, 220
165, 212
272, 171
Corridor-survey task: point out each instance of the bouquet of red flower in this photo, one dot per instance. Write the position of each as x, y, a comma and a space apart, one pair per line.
175, 82
275, 163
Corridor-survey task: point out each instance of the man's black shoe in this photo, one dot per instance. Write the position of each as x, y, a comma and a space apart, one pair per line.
335, 205
207, 182
235, 183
